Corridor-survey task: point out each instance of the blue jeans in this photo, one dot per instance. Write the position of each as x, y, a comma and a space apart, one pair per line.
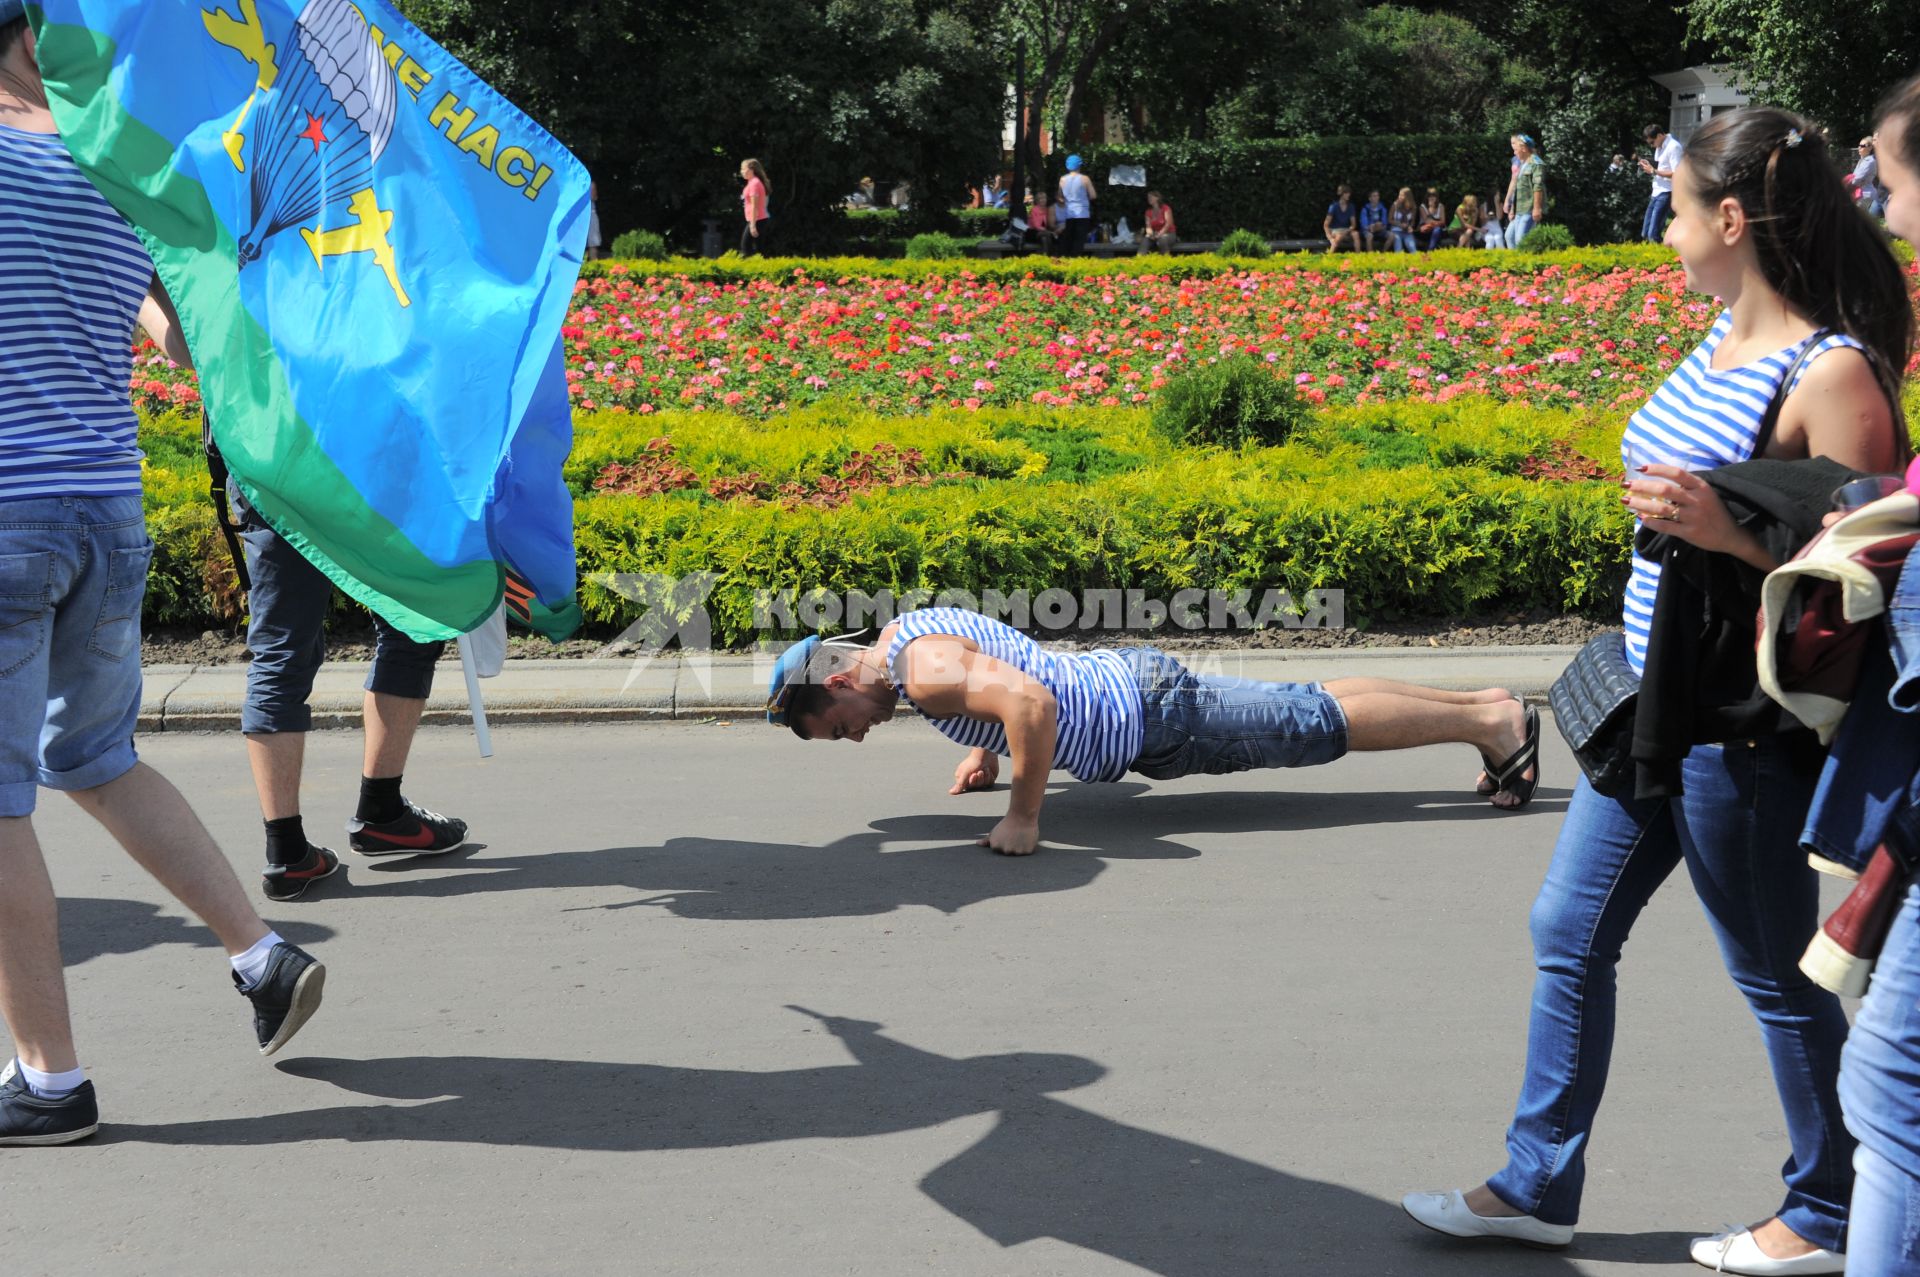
1403, 241
1199, 723
73, 572
1736, 830
1880, 1090
286, 635
1871, 783
1654, 225
1517, 230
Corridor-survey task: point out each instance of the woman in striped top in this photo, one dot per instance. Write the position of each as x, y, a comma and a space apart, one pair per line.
1763, 223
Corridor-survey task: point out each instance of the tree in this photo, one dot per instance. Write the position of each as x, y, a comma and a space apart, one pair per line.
1066, 42
1386, 69
662, 103
1831, 61
1152, 65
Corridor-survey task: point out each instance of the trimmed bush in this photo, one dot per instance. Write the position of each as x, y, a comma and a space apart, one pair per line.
1233, 404
1458, 261
1244, 243
1547, 239
935, 246
1414, 509
981, 223
639, 246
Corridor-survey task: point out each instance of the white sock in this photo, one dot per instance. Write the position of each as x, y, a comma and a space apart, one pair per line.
51, 1086
252, 964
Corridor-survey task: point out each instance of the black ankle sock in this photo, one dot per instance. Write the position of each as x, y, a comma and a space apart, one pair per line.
379, 799
286, 841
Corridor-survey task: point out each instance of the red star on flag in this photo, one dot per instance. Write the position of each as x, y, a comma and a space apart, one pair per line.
314, 133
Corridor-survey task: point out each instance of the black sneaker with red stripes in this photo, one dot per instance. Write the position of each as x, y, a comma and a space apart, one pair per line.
290, 882
414, 832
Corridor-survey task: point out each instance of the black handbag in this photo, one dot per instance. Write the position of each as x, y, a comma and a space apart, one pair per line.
1593, 705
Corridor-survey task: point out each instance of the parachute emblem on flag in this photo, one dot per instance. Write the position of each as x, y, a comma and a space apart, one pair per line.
310, 133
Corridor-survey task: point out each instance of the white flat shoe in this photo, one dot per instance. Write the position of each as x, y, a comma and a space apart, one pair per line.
1449, 1213
1737, 1252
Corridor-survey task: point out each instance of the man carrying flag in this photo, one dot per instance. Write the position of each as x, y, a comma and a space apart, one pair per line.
287, 605
372, 253
73, 568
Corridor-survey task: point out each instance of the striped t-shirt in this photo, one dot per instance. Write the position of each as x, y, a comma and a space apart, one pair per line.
1701, 418
1101, 720
72, 277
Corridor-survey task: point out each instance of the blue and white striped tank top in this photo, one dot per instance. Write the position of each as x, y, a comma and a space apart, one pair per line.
1101, 718
72, 277
1701, 418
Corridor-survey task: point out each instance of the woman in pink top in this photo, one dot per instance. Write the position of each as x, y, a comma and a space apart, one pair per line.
753, 202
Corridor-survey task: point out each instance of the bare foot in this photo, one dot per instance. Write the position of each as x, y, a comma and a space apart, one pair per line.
1483, 1202
1777, 1241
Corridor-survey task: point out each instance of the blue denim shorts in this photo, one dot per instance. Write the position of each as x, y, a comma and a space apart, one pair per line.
1201, 723
287, 639
73, 572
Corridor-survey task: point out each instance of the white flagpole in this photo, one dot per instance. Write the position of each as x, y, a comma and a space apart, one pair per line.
473, 698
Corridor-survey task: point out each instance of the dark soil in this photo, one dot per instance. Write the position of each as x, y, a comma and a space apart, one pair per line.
1518, 629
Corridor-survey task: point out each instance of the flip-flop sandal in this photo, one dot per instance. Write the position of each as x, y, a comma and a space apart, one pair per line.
1487, 786
1508, 776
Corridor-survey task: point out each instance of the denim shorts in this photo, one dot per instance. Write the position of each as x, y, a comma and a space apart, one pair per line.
287, 634
1201, 723
73, 572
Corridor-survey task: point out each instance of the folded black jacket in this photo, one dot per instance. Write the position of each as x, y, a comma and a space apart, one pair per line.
1701, 685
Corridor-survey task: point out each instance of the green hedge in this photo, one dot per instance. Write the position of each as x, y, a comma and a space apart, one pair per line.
1413, 509
1197, 266
1418, 542
1281, 187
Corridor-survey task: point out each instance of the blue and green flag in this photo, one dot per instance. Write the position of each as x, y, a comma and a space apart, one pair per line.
371, 252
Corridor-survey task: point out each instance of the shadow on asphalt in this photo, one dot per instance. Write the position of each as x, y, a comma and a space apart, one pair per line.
1046, 1169
92, 927
712, 879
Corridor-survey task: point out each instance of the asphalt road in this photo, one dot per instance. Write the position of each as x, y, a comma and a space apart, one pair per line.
709, 1001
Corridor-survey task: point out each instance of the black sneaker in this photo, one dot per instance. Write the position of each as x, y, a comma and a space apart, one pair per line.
414, 832
290, 882
286, 997
26, 1118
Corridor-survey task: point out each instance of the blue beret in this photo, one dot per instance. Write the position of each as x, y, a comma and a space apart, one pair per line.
791, 666
1073, 163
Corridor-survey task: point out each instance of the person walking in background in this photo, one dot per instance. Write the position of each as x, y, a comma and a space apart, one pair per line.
1373, 224
1401, 220
1868, 192
1431, 229
756, 207
996, 192
1666, 158
1163, 235
596, 244
1527, 205
1076, 203
1341, 225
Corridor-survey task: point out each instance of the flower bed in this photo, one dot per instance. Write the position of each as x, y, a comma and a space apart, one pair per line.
1588, 328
